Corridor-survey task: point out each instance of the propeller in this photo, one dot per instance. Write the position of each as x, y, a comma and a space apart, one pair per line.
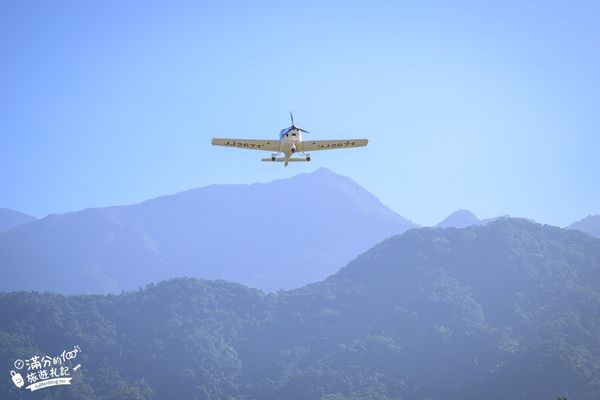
294, 126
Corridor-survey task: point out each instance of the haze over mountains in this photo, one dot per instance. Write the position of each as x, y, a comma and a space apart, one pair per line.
462, 219
10, 219
494, 309
276, 235
501, 311
589, 225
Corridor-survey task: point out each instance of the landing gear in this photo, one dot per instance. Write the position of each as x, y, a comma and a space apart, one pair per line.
307, 158
272, 158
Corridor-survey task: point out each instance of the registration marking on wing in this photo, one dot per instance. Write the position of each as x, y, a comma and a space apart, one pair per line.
347, 143
313, 145
244, 144
250, 144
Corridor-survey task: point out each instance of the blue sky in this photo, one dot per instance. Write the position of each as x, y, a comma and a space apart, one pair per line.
490, 106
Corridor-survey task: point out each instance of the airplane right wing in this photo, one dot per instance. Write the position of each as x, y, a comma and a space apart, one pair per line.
250, 144
314, 145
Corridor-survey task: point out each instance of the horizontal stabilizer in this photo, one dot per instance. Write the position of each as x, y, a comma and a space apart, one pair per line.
281, 159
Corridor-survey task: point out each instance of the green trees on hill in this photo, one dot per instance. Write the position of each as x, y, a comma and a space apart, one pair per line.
504, 310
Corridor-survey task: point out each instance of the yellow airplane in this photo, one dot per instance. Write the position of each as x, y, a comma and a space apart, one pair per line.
290, 142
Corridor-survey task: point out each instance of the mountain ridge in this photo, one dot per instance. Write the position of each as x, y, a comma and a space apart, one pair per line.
496, 311
262, 234
10, 219
589, 225
463, 218
459, 219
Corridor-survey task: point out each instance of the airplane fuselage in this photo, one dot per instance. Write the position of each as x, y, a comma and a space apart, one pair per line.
290, 142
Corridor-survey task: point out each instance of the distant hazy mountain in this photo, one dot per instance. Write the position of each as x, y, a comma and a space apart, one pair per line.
508, 310
459, 219
589, 225
10, 219
462, 219
281, 234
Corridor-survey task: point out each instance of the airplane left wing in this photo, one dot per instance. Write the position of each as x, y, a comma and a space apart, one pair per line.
250, 144
314, 145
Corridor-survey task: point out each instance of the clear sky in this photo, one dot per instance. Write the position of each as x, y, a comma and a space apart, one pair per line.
490, 106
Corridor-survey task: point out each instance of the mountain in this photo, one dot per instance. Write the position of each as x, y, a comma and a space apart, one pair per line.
276, 235
589, 225
505, 310
459, 219
462, 219
10, 219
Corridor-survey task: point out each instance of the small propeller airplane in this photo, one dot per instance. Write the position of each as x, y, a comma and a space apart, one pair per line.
290, 142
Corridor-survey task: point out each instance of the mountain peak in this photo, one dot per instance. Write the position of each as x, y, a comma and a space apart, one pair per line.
10, 219
589, 225
324, 183
459, 219
322, 173
323, 170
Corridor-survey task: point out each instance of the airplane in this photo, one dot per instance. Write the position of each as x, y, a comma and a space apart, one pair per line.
290, 142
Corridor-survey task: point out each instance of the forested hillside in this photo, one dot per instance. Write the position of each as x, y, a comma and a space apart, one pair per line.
505, 310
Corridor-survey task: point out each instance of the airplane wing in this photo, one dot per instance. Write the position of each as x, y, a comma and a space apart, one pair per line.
250, 144
314, 145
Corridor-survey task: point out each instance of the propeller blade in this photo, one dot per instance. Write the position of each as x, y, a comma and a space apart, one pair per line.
302, 130
292, 118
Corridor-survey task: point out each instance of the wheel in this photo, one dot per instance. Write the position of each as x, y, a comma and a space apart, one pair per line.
307, 158
272, 158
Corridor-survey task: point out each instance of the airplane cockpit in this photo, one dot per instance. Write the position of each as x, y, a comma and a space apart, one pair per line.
285, 131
